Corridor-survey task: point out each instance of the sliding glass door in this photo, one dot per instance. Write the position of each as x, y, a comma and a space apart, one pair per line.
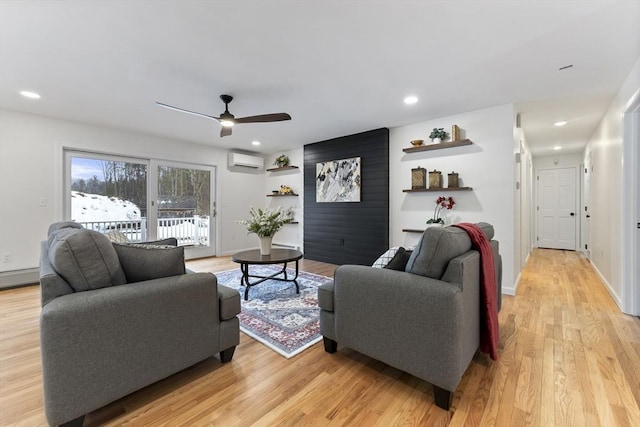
141, 200
182, 205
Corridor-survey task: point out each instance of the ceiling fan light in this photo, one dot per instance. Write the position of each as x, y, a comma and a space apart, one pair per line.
227, 123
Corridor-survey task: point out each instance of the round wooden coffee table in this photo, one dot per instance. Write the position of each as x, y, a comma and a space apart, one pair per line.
277, 256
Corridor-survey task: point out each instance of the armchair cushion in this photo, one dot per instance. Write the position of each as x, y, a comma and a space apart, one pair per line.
85, 259
431, 259
60, 225
142, 262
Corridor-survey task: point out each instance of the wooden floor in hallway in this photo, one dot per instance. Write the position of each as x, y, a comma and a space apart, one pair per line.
568, 357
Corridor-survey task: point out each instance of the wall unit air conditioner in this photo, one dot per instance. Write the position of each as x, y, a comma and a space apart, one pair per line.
245, 160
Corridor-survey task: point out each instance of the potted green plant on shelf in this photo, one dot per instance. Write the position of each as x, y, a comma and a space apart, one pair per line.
265, 223
281, 161
438, 135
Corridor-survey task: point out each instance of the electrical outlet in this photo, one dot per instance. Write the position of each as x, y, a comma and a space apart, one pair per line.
7, 257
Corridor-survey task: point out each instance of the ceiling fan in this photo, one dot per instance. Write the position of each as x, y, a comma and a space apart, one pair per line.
227, 120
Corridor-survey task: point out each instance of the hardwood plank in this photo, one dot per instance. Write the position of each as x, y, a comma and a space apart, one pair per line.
568, 356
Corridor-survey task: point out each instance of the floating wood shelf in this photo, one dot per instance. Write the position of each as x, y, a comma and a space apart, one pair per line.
412, 230
284, 168
441, 190
282, 195
440, 146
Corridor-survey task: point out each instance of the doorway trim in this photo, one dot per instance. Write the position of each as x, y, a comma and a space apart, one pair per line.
630, 208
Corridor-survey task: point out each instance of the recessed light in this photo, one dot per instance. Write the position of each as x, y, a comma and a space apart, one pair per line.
255, 142
560, 123
29, 94
409, 100
557, 147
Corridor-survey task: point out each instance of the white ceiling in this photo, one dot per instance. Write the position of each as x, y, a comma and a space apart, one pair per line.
338, 67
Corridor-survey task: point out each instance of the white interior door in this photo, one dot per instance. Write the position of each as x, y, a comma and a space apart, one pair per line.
556, 208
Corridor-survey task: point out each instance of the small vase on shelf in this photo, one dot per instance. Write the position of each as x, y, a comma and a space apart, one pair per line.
436, 140
265, 245
434, 224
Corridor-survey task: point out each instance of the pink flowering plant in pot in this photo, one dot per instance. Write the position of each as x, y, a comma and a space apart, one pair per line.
441, 203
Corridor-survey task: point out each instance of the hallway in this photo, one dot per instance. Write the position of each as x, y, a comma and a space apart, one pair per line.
570, 356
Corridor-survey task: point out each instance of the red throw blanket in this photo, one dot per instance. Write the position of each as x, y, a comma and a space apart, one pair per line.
489, 329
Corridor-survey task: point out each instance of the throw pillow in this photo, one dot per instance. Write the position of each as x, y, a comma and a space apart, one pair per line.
142, 262
85, 259
399, 260
386, 257
170, 241
115, 236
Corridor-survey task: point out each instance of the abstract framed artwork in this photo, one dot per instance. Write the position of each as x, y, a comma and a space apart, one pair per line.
338, 181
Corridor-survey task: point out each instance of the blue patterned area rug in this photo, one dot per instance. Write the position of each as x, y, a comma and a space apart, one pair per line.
275, 315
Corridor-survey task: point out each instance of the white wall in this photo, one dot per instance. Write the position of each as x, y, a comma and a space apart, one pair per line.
291, 234
606, 184
558, 161
488, 166
524, 201
31, 168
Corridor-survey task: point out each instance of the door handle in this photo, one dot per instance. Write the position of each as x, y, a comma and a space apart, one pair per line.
588, 216
572, 214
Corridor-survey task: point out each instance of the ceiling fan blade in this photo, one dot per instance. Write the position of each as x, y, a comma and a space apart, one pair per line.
182, 110
225, 131
275, 117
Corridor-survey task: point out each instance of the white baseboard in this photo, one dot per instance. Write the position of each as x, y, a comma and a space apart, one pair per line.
509, 291
612, 292
14, 278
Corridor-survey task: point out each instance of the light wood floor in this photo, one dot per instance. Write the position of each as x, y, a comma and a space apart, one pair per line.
568, 357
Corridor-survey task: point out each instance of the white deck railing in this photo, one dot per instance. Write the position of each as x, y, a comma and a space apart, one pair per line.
190, 231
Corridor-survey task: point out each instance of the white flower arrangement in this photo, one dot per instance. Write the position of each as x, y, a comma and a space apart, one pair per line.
267, 222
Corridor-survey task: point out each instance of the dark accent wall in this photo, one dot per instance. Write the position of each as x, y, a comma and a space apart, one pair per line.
354, 232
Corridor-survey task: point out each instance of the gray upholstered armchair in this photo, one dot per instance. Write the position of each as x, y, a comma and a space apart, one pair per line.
424, 321
116, 318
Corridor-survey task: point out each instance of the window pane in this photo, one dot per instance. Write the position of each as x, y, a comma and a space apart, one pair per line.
109, 196
184, 205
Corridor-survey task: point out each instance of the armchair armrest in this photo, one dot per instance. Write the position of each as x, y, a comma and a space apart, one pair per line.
229, 300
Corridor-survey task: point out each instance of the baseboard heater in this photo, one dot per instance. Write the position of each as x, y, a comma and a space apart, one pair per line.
285, 246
